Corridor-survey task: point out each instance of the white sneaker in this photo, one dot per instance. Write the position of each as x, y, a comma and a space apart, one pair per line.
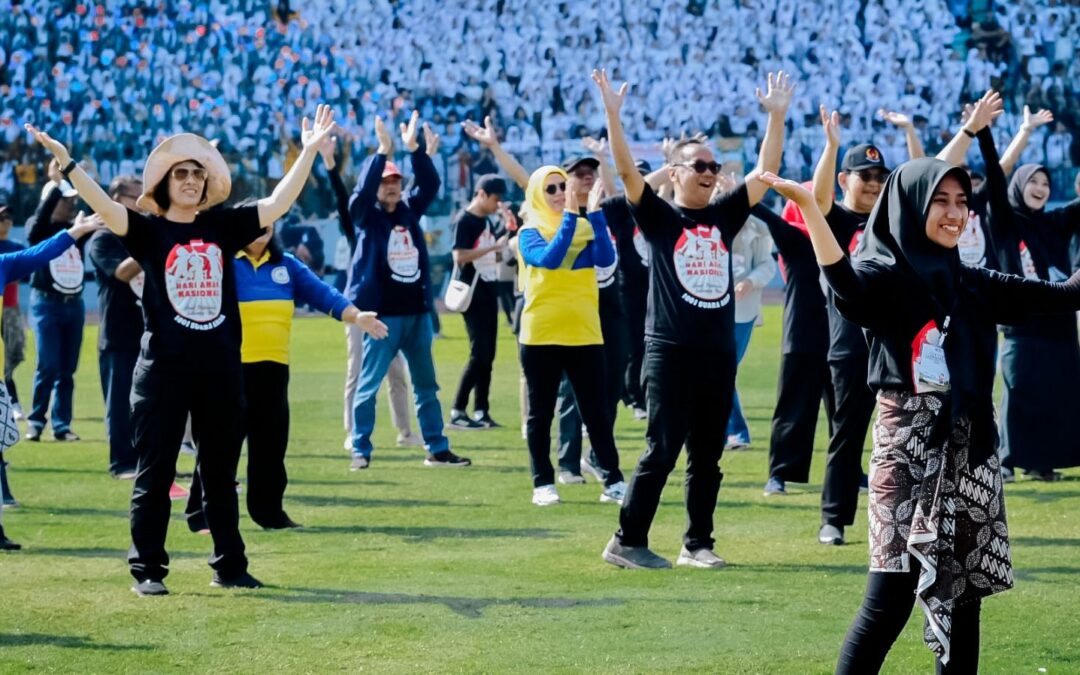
17, 412
348, 443
614, 493
545, 495
409, 440
702, 558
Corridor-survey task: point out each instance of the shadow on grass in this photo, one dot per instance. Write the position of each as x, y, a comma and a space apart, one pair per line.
1034, 573
417, 535
469, 608
323, 500
98, 552
802, 568
75, 511
352, 480
1045, 541
69, 641
52, 469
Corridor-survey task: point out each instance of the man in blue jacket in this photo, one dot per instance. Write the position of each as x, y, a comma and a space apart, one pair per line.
389, 275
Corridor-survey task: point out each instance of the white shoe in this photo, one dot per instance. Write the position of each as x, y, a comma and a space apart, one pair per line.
702, 558
409, 440
348, 443
614, 493
545, 495
17, 412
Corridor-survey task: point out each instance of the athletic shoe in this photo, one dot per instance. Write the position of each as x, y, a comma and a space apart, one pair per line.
196, 522
244, 580
614, 493
359, 462
66, 436
33, 433
545, 495
409, 440
187, 448
10, 502
641, 414
347, 445
124, 474
775, 486
736, 442
177, 492
148, 588
17, 412
1007, 475
831, 535
286, 523
447, 459
587, 467
633, 557
703, 558
462, 422
864, 484
484, 419
571, 478
6, 544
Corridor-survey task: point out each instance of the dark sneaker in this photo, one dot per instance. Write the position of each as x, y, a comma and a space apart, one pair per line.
149, 588
482, 418
245, 580
461, 421
66, 436
703, 558
1043, 476
359, 462
864, 484
831, 535
775, 486
286, 523
6, 544
446, 459
33, 433
10, 502
633, 557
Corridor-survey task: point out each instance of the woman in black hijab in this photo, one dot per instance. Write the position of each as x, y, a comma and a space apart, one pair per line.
1040, 358
938, 535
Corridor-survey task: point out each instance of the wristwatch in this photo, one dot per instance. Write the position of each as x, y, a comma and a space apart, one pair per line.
68, 169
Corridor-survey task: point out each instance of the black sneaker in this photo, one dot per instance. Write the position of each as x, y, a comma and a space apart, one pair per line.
459, 420
633, 557
359, 462
245, 580
482, 418
148, 588
33, 433
447, 459
68, 435
6, 544
285, 523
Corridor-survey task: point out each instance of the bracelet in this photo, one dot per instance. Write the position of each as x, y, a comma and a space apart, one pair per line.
968, 132
68, 169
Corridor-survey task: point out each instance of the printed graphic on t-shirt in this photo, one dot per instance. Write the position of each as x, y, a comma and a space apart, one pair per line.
137, 283
929, 370
606, 275
701, 264
280, 275
67, 271
641, 246
193, 281
486, 265
972, 243
856, 241
1027, 263
403, 256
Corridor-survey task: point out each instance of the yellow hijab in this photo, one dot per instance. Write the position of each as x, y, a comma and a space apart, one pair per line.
537, 214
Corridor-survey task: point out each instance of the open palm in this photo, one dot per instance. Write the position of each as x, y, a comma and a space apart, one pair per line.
313, 135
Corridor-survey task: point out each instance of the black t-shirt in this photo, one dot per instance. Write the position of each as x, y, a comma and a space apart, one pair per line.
690, 290
121, 310
846, 340
189, 298
64, 275
472, 232
631, 248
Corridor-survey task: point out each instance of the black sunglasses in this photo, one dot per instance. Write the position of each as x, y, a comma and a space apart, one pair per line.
871, 176
555, 187
701, 166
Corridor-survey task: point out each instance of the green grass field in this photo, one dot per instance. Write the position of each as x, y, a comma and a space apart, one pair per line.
402, 568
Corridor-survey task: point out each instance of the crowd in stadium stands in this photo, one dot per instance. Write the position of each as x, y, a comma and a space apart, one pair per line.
111, 78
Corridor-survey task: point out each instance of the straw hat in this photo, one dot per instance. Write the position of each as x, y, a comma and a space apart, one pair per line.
181, 148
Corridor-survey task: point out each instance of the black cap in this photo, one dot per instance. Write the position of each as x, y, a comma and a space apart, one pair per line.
492, 184
863, 156
643, 167
573, 162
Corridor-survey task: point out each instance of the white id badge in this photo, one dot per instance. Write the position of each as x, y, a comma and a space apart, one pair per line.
929, 370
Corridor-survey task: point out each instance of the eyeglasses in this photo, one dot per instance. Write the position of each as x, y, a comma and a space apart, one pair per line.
871, 176
584, 172
701, 166
181, 174
555, 187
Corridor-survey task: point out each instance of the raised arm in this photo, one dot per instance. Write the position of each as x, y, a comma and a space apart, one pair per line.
624, 161
366, 191
21, 263
1015, 298
487, 137
979, 116
1020, 140
599, 150
37, 225
775, 101
825, 171
112, 213
601, 248
911, 135
288, 188
341, 195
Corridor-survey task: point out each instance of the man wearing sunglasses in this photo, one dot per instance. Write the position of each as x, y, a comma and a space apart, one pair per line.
689, 364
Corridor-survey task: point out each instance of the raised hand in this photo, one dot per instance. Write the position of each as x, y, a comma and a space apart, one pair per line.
1033, 122
484, 135
897, 119
831, 124
986, 110
386, 142
85, 224
788, 189
63, 157
572, 202
409, 137
370, 324
596, 195
965, 114
613, 100
778, 92
328, 146
311, 136
598, 147
431, 140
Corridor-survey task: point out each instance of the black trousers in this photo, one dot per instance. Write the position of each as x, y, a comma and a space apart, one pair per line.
482, 325
633, 393
804, 383
882, 616
851, 420
689, 393
266, 390
161, 396
544, 366
116, 368
10, 384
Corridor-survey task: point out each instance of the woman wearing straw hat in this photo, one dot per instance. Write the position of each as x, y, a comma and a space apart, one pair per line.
190, 355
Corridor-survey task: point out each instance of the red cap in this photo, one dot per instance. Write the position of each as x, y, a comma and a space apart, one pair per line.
390, 170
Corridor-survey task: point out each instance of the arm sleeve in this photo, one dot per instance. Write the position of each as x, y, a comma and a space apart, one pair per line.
1001, 228
603, 253
791, 242
22, 263
427, 183
732, 209
465, 234
1067, 218
651, 213
240, 226
863, 293
367, 187
106, 252
136, 239
1015, 298
341, 199
549, 255
39, 226
311, 290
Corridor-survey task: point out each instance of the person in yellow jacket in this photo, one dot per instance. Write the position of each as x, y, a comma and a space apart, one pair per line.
559, 247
